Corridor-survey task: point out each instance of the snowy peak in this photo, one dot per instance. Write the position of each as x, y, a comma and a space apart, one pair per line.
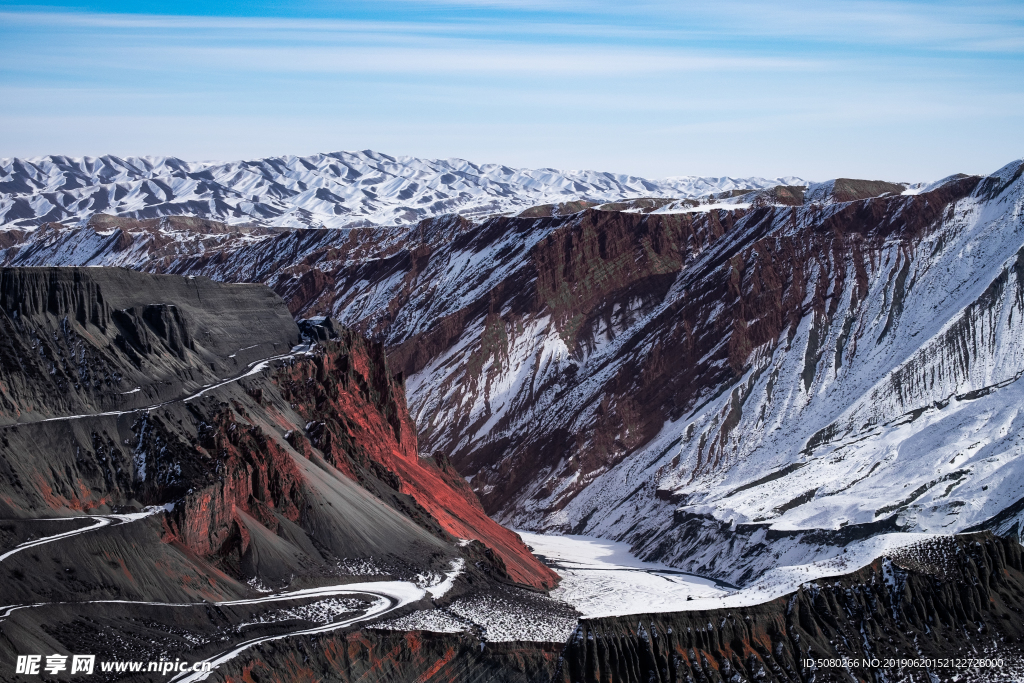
341, 189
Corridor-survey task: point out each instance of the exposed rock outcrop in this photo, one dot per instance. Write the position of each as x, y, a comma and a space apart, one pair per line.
80, 341
947, 602
297, 470
396, 657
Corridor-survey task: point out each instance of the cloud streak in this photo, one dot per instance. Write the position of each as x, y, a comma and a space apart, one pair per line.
472, 59
654, 89
984, 27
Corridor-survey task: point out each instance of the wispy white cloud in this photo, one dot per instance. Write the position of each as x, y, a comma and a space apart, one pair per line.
667, 88
982, 26
358, 47
98, 20
979, 26
495, 59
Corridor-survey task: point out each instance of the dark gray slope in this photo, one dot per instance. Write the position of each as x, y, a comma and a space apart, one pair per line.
88, 340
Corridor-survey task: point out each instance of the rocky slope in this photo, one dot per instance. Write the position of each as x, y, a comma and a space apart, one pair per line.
166, 447
803, 375
742, 388
946, 610
80, 341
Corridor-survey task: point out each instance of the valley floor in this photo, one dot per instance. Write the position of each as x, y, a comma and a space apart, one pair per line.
603, 578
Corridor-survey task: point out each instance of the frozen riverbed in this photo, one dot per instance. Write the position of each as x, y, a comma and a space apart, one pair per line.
601, 577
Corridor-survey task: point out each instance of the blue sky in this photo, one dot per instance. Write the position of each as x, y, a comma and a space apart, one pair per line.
893, 90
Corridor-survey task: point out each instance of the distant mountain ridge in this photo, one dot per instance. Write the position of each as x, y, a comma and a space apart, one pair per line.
341, 189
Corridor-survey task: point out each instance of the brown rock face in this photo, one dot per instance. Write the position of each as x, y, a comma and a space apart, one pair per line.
102, 221
548, 210
360, 423
850, 190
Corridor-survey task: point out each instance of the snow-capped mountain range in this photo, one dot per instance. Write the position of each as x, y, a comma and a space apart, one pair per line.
324, 190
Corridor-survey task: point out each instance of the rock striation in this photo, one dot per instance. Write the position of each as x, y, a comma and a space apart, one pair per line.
930, 612
80, 341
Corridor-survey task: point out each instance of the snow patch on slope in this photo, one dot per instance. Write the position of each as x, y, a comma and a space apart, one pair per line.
913, 426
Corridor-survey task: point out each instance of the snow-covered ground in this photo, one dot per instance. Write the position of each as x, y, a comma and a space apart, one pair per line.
436, 584
602, 578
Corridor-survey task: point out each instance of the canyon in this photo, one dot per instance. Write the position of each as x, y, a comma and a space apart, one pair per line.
805, 391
